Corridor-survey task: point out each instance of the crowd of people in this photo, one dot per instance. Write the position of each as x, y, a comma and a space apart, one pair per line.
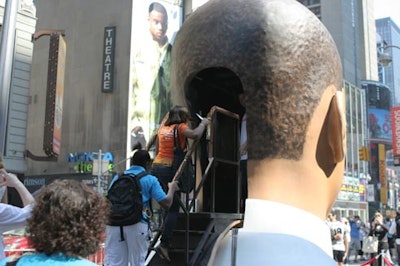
348, 235
65, 222
67, 219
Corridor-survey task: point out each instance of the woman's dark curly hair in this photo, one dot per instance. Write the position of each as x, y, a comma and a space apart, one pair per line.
69, 217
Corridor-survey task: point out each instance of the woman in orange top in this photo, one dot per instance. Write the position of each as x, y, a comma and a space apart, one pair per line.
162, 163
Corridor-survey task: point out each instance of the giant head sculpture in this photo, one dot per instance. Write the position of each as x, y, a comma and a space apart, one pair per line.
290, 71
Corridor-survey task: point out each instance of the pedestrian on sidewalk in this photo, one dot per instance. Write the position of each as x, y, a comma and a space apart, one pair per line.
380, 230
133, 245
12, 217
339, 238
355, 238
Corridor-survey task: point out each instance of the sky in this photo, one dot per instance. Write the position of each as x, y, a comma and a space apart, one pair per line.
388, 8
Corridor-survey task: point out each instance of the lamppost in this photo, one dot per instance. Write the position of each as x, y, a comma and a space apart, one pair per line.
384, 58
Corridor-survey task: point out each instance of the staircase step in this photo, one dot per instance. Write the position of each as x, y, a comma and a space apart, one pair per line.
204, 229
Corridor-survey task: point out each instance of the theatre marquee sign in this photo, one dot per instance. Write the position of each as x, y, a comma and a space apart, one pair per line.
108, 59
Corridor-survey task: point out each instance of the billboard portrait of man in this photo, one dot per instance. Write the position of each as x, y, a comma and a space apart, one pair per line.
153, 29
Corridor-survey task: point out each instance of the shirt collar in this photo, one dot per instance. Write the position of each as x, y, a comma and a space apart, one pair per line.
135, 168
273, 217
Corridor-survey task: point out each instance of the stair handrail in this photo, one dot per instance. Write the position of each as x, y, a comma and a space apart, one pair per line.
192, 146
218, 242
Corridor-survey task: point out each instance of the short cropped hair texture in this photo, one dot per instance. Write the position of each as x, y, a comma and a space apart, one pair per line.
301, 61
69, 218
283, 55
159, 8
141, 158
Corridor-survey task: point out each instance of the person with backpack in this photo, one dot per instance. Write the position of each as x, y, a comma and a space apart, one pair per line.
128, 232
175, 128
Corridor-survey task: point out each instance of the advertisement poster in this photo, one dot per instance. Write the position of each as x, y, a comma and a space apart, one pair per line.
62, 49
154, 27
382, 173
395, 118
379, 124
351, 189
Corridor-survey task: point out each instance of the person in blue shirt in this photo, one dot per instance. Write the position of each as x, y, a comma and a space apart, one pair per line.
355, 242
66, 225
136, 237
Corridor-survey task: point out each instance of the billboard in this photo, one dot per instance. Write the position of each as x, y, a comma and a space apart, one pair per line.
382, 173
55, 95
379, 124
352, 189
395, 118
154, 27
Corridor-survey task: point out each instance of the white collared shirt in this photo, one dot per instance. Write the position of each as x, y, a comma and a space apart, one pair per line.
273, 217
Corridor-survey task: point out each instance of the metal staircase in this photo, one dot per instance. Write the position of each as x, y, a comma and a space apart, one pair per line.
196, 232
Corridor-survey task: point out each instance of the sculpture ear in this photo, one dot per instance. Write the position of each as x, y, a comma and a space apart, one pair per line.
330, 143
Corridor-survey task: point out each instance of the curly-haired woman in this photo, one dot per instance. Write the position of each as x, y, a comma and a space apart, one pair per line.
66, 225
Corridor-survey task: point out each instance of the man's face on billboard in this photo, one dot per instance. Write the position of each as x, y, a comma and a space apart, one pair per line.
158, 25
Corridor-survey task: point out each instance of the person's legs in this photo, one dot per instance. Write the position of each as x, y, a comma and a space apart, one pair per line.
170, 223
137, 236
338, 257
115, 250
398, 253
360, 252
165, 175
382, 247
357, 248
391, 242
351, 249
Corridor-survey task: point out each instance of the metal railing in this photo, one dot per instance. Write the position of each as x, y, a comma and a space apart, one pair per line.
189, 203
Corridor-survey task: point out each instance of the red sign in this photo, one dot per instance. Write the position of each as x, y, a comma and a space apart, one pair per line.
395, 115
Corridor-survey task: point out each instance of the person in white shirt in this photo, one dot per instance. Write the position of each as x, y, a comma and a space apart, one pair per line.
12, 217
292, 78
339, 237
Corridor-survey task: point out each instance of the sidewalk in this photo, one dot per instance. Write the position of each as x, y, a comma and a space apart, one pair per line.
359, 262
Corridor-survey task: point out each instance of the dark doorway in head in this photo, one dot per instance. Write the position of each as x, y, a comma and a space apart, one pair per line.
215, 86
219, 87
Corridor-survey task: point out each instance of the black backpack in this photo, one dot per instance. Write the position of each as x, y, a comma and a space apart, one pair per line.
125, 196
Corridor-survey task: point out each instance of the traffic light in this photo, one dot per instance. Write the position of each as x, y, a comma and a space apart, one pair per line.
363, 153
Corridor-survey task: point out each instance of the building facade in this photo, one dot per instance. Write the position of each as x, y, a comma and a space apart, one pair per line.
15, 94
389, 34
352, 198
352, 26
379, 104
94, 107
